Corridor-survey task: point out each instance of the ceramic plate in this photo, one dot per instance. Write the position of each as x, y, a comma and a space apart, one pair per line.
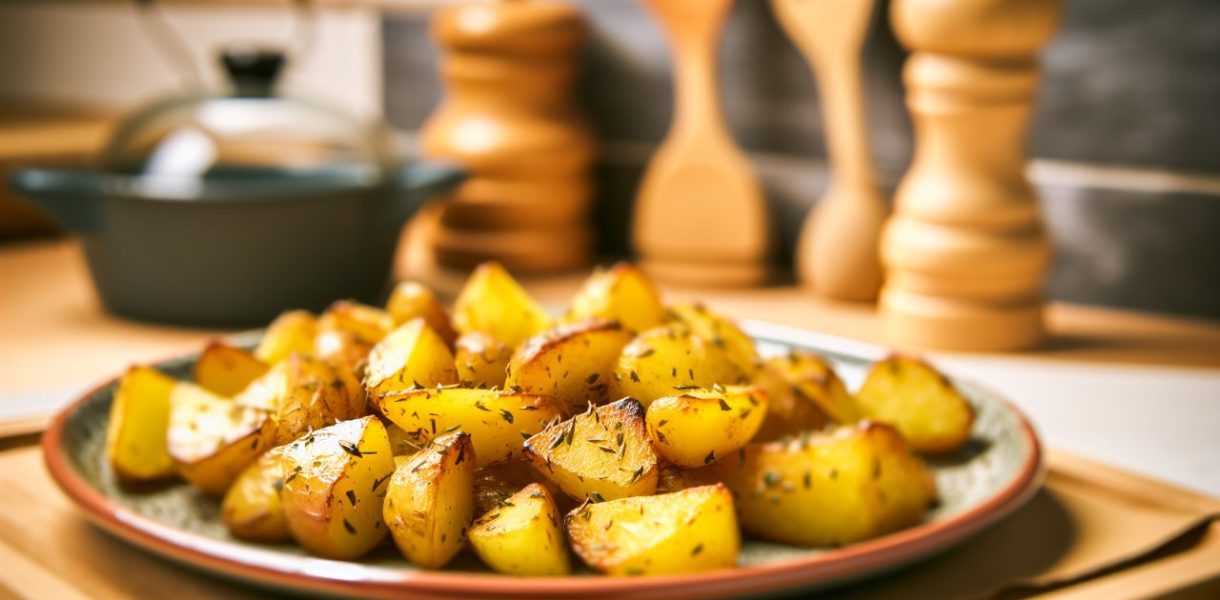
999, 471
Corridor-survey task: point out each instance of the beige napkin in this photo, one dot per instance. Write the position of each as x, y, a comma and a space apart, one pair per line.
1093, 531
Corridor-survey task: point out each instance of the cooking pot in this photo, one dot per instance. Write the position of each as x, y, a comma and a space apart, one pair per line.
226, 209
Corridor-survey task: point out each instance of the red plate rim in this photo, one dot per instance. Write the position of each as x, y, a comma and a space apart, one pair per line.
276, 569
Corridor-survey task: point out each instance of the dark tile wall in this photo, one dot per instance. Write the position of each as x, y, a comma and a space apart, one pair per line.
1128, 82
1134, 82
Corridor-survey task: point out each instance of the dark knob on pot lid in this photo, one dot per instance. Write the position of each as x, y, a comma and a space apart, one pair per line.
253, 71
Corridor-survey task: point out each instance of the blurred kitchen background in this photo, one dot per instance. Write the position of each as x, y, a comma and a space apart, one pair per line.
1125, 144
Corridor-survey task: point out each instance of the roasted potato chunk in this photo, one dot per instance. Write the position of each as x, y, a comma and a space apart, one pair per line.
805, 395
621, 293
664, 359
701, 426
252, 509
290, 333
482, 360
572, 362
522, 536
139, 420
212, 439
411, 300
430, 503
411, 356
911, 395
347, 332
828, 489
367, 323
686, 531
722, 333
303, 393
225, 370
496, 420
334, 481
495, 483
672, 478
602, 453
494, 303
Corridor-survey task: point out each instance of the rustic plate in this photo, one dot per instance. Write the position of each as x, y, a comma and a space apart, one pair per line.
999, 471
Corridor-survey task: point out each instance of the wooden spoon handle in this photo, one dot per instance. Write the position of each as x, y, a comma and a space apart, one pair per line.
841, 90
693, 30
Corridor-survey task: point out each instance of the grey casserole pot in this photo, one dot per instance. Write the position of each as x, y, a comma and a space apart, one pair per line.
226, 210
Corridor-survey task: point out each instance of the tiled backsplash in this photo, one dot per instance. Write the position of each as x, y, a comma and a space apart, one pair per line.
1128, 82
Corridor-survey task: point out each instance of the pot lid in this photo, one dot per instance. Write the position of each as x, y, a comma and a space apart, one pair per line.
246, 133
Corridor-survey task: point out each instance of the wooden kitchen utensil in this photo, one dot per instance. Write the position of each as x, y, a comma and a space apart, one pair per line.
508, 117
837, 253
700, 214
966, 252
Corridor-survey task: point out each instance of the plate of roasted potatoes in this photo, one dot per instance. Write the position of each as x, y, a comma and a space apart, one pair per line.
494, 447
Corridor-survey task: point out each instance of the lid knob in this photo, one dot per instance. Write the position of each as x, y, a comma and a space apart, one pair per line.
253, 71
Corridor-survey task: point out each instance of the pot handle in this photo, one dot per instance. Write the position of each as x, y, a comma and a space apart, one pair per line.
72, 196
421, 180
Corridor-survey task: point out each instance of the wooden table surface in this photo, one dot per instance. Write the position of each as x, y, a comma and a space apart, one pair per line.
54, 336
48, 312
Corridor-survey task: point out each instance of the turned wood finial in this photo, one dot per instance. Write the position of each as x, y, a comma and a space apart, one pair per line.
965, 251
508, 69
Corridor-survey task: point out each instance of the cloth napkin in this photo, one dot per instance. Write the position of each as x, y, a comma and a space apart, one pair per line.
1093, 531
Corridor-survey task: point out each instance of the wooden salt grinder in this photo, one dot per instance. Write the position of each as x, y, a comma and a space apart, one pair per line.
837, 254
508, 116
700, 214
966, 252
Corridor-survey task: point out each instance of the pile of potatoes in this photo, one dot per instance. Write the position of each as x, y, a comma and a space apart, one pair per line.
644, 438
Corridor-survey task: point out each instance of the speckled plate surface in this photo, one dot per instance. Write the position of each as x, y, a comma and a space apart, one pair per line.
998, 471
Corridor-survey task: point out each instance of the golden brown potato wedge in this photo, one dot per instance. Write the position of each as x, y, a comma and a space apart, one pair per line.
411, 300
290, 333
335, 479
430, 503
252, 509
683, 532
226, 370
911, 395
139, 421
494, 303
666, 359
482, 361
496, 420
522, 536
805, 393
212, 439
303, 393
621, 293
572, 362
411, 356
701, 426
602, 453
722, 333
828, 489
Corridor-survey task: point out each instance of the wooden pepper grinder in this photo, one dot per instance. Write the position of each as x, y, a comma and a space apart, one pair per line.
966, 252
700, 214
508, 69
